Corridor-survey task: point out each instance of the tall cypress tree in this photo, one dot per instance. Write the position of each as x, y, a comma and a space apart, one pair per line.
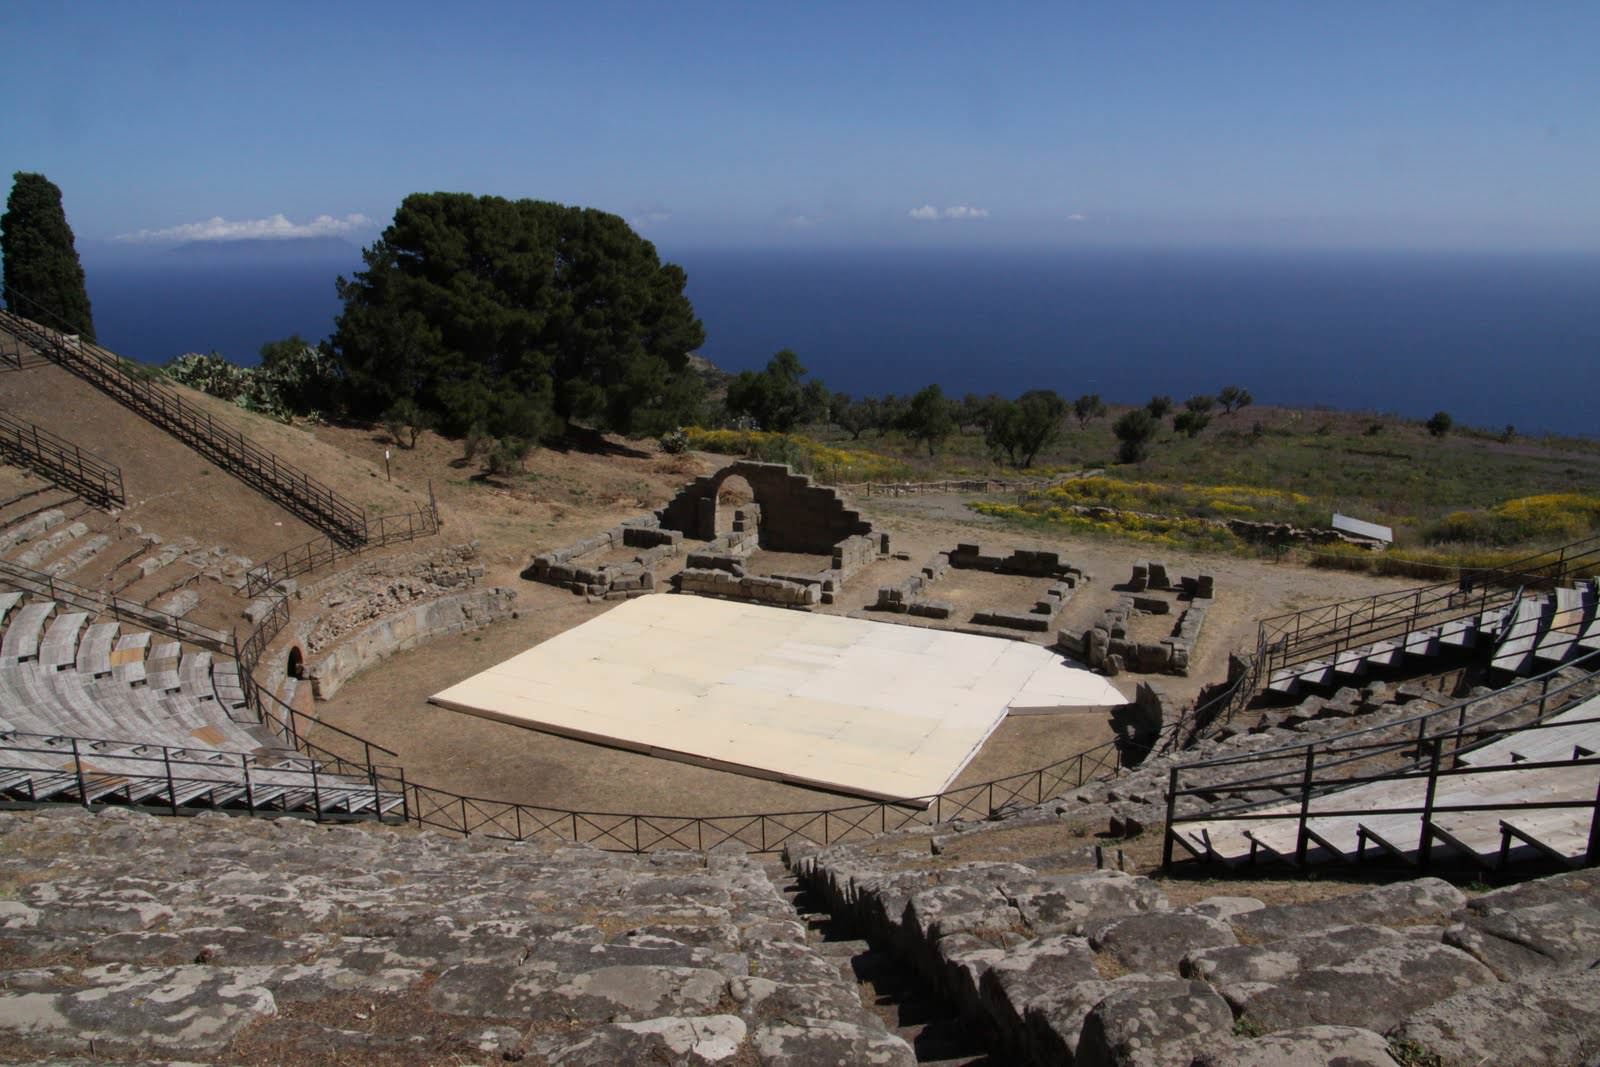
41, 260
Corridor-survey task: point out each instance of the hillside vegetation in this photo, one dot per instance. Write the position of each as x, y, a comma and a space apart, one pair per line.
1459, 498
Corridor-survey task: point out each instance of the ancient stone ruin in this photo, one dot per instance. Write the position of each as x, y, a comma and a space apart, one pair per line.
566, 568
908, 597
789, 514
1108, 644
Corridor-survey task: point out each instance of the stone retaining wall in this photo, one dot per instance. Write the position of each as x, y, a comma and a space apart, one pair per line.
1262, 533
454, 614
375, 587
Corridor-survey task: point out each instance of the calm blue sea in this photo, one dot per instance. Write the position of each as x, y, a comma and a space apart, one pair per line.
1493, 339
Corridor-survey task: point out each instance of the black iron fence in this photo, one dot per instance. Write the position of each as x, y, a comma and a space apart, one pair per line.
61, 461
133, 387
760, 832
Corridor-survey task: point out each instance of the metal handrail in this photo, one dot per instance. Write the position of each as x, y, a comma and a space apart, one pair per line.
297, 490
321, 551
1427, 809
1293, 629
1590, 661
175, 770
33, 581
62, 461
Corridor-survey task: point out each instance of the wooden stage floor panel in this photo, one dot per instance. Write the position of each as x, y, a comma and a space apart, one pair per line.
856, 706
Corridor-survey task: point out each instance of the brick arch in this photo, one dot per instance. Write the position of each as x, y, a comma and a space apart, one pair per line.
796, 515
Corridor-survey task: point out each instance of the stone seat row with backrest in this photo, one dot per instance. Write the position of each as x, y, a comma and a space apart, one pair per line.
68, 675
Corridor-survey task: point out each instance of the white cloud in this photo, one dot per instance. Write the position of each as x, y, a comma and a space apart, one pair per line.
649, 217
929, 213
276, 227
1077, 216
803, 222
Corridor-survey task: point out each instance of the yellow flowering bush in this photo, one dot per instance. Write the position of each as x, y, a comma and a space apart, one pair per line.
827, 463
1151, 529
1545, 517
1183, 498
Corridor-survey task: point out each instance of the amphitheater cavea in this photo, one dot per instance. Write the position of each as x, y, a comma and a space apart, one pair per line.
311, 753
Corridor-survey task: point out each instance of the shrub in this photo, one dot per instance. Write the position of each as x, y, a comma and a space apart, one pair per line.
405, 422
507, 455
211, 374
675, 442
1134, 430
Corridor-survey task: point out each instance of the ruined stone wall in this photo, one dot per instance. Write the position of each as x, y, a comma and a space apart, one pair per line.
782, 592
1106, 645
909, 597
564, 569
377, 587
854, 553
796, 515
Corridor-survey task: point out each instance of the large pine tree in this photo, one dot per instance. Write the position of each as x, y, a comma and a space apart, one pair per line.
514, 315
43, 278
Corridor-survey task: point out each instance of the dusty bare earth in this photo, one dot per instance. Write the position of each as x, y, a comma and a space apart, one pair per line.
466, 754
566, 494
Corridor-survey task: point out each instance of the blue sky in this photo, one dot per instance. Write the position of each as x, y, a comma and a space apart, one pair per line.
1281, 124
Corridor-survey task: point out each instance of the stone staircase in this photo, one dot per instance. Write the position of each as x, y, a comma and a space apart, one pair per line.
294, 489
1051, 960
885, 987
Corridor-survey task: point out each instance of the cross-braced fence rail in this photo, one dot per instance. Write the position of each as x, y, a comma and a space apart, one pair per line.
760, 832
61, 461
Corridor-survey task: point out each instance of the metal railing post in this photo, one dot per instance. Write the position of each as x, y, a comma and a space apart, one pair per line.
316, 791
77, 770
172, 789
1172, 810
1591, 855
1305, 807
1425, 838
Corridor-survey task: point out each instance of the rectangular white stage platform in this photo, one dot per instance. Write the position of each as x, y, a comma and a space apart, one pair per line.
870, 708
